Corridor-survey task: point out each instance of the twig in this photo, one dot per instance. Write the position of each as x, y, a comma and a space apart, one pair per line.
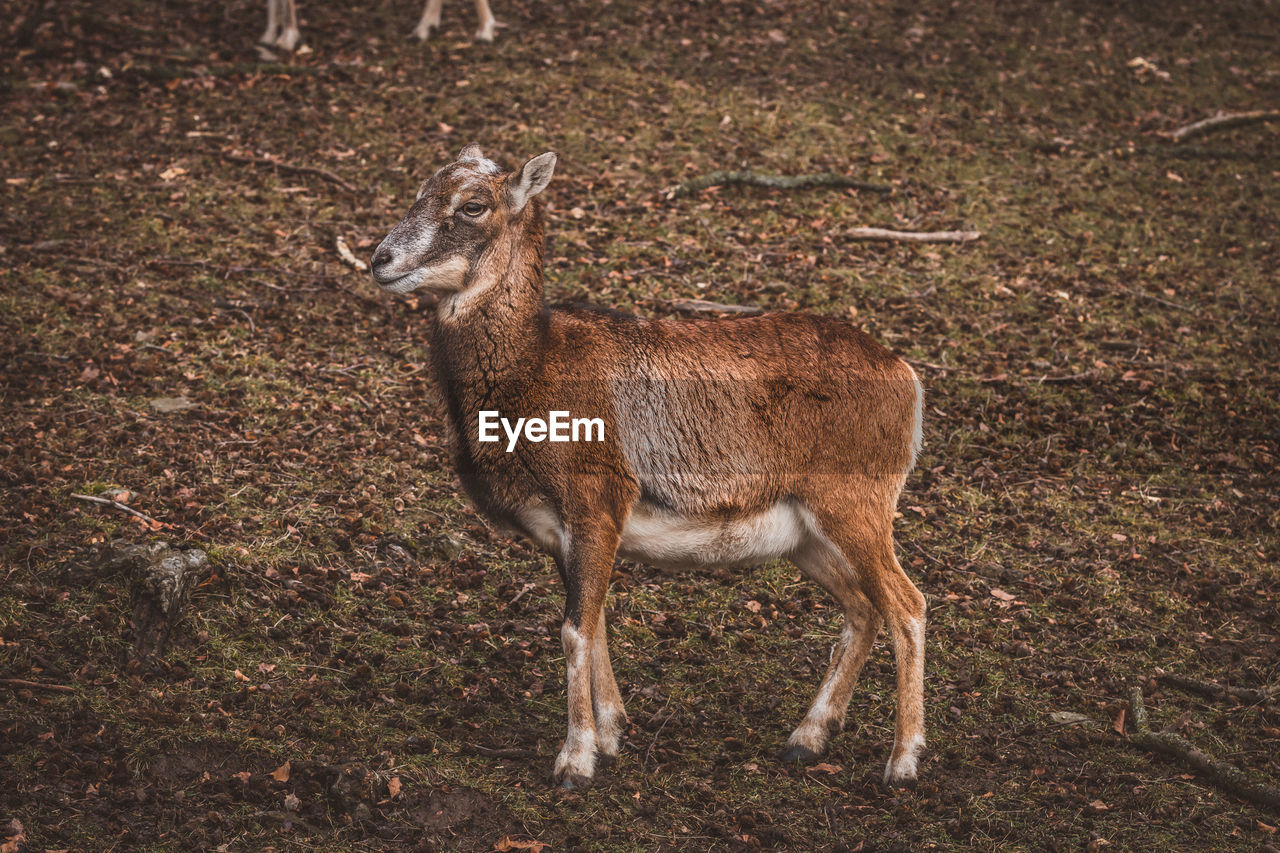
1222, 121
507, 752
297, 170
20, 683
1138, 292
236, 309
775, 182
702, 305
122, 507
1070, 377
913, 236
1227, 776
527, 588
1213, 690
344, 252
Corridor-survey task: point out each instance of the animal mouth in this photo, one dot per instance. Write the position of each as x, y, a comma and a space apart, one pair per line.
396, 283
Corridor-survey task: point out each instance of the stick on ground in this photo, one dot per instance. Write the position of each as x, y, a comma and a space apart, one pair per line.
703, 306
297, 170
344, 252
913, 236
22, 683
773, 182
122, 507
1217, 691
1222, 121
1226, 776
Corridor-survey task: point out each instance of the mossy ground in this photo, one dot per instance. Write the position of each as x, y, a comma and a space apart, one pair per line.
1100, 450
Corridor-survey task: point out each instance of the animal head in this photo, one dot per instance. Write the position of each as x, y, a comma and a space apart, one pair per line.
460, 211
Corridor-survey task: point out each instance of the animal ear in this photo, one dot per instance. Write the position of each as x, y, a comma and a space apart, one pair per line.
471, 152
533, 179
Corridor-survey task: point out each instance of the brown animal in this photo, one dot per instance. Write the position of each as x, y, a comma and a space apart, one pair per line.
725, 442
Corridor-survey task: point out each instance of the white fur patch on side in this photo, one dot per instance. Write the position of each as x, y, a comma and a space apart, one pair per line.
665, 538
541, 524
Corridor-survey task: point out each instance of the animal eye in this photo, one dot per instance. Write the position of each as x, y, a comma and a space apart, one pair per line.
473, 208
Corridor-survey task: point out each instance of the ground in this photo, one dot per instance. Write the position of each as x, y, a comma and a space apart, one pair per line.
370, 666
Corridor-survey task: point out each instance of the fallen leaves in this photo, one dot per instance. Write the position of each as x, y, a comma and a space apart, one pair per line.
281, 773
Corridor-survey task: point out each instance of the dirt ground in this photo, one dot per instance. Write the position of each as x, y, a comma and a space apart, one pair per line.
369, 666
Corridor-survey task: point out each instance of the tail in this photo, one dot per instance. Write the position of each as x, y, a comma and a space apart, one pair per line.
917, 427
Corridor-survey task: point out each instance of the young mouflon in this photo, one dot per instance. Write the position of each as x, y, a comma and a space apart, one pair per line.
722, 442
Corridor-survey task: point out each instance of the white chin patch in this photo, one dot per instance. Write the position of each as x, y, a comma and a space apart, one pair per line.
444, 277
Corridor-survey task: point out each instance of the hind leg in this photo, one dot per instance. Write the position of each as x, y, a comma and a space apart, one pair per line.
865, 538
822, 563
484, 31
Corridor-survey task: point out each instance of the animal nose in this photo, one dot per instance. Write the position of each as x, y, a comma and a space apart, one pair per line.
382, 257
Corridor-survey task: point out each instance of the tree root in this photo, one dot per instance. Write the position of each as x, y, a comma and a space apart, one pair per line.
773, 182
161, 579
1226, 776
1222, 121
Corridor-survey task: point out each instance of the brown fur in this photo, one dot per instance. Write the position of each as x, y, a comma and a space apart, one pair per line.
709, 425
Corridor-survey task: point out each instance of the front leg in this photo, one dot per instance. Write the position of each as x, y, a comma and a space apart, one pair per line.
430, 20
585, 566
606, 701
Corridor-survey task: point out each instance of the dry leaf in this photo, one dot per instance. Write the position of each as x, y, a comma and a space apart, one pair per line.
999, 593
509, 843
240, 676
393, 787
281, 773
753, 606
827, 768
291, 802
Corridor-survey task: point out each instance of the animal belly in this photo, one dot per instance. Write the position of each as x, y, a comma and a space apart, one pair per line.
666, 539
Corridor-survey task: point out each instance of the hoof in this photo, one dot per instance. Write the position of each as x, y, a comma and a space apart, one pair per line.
604, 761
899, 782
798, 753
574, 782
901, 773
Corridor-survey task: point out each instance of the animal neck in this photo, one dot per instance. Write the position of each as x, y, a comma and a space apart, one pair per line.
494, 327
